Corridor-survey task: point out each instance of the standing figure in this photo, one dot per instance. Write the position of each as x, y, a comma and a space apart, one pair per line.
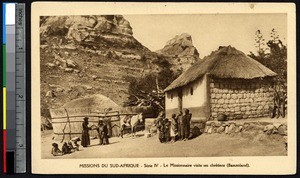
166, 130
102, 131
174, 128
124, 122
159, 125
181, 126
85, 138
55, 150
188, 118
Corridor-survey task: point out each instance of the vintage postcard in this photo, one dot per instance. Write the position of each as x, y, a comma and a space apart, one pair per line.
163, 88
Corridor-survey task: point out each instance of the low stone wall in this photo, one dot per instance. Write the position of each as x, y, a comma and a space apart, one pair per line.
232, 127
240, 99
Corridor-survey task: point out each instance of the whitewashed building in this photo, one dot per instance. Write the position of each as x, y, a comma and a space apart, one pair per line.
225, 82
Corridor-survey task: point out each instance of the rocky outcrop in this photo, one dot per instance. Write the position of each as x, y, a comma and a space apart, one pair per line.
180, 45
78, 26
91, 31
181, 51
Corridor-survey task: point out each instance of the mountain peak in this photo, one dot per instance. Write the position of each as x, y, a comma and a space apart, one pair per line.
180, 45
180, 51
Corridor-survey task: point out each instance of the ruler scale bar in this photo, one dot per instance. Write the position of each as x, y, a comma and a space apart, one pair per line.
10, 30
20, 95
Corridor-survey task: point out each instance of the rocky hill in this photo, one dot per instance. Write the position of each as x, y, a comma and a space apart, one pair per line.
180, 51
86, 55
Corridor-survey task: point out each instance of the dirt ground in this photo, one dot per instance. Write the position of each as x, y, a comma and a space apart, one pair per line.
205, 145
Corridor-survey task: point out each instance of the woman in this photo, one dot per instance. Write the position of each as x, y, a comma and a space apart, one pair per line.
180, 125
174, 128
55, 150
85, 138
160, 126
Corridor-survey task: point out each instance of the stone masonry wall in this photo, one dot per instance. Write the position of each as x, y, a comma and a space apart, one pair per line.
241, 98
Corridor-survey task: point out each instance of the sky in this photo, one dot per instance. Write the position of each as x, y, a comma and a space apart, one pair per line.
208, 31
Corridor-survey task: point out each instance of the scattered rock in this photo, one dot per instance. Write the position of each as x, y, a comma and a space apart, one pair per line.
268, 129
206, 129
231, 128
50, 64
59, 89
282, 129
76, 70
218, 124
285, 139
240, 128
226, 130
208, 123
57, 63
63, 65
50, 94
277, 125
209, 131
94, 77
54, 86
214, 130
68, 70
220, 129
69, 90
71, 63
89, 87
43, 46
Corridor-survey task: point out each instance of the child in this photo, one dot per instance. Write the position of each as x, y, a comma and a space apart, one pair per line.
65, 149
71, 148
55, 150
75, 140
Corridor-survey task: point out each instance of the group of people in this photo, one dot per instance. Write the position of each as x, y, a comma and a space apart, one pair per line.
102, 132
177, 128
67, 148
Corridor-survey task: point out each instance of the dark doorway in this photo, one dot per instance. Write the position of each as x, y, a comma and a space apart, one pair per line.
180, 99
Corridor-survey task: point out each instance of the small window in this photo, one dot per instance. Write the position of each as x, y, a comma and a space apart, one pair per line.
192, 91
171, 96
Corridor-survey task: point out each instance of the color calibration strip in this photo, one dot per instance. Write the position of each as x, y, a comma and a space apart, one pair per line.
14, 149
4, 84
9, 86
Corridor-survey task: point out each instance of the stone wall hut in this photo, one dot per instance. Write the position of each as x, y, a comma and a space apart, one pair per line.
225, 82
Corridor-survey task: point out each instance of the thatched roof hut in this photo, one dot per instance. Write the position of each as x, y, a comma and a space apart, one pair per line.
225, 82
227, 62
97, 101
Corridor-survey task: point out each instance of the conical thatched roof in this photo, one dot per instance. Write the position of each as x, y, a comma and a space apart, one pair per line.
98, 101
227, 62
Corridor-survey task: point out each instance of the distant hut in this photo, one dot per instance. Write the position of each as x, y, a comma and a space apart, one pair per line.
67, 120
225, 82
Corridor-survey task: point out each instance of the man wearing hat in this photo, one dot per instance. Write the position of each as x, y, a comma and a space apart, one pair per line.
85, 138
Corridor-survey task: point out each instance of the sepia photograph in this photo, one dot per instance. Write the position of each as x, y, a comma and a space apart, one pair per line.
159, 85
